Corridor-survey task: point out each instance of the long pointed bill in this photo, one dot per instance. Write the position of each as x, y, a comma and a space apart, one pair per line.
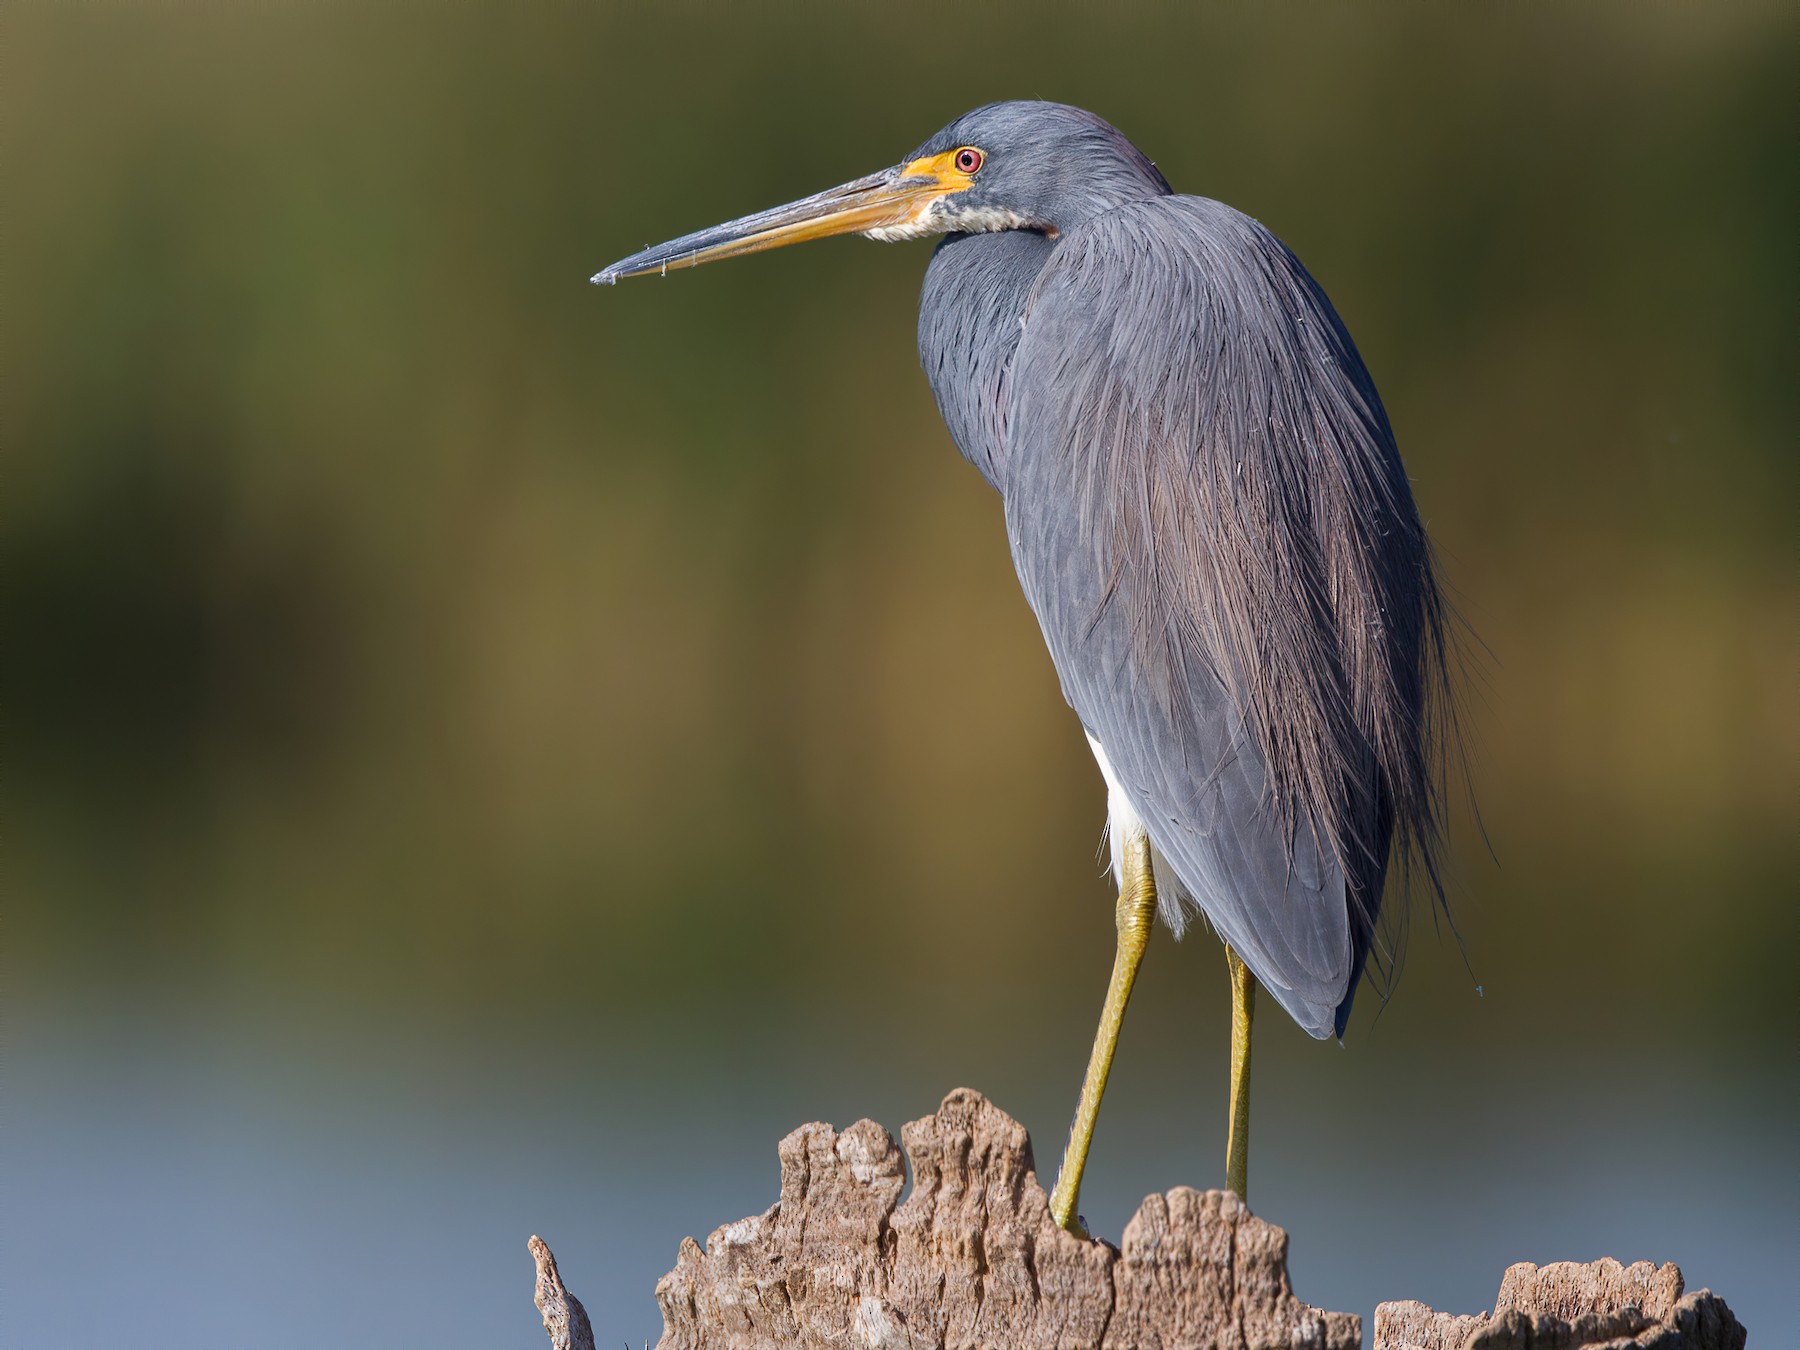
895, 200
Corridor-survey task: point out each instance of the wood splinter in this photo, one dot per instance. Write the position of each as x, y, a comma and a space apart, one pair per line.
564, 1317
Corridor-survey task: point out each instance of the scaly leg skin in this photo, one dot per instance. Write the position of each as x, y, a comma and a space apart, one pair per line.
1243, 1007
1133, 914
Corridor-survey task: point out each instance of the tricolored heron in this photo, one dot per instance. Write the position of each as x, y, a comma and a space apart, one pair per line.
1212, 524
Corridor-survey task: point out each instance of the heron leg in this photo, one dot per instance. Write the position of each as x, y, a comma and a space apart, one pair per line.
1243, 1007
1134, 913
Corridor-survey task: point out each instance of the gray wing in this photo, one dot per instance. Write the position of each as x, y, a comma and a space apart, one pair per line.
1163, 505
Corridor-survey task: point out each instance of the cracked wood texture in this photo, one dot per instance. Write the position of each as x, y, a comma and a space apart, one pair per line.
1567, 1306
973, 1258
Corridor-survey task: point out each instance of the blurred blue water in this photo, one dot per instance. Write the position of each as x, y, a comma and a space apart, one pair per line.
198, 1183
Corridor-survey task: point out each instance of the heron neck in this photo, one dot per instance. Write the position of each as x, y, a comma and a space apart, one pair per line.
969, 328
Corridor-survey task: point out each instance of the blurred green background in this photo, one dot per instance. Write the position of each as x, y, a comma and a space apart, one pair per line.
487, 755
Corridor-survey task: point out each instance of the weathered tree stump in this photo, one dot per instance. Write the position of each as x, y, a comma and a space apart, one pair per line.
973, 1259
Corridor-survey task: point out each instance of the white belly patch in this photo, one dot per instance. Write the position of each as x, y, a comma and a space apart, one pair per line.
1174, 904
1122, 820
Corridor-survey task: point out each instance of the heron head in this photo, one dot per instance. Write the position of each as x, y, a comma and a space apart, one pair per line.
1006, 166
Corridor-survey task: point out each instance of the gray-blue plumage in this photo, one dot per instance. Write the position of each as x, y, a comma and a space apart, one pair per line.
1212, 524
1206, 509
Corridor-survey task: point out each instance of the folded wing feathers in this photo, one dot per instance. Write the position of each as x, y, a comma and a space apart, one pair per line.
1243, 552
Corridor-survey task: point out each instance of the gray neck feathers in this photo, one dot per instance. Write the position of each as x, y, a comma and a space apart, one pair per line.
969, 328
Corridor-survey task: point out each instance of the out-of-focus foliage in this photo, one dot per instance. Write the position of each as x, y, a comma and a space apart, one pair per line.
390, 608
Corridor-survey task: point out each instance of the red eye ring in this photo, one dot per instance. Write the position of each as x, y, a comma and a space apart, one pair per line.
969, 159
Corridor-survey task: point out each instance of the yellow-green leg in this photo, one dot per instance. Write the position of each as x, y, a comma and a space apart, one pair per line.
1243, 1007
1133, 914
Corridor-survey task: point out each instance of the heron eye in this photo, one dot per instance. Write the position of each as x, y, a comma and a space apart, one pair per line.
969, 159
